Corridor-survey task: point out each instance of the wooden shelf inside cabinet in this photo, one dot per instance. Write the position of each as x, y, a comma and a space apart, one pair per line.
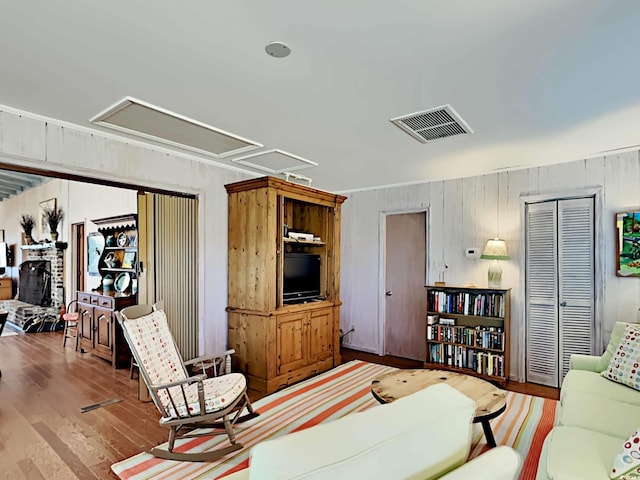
468, 331
303, 242
119, 257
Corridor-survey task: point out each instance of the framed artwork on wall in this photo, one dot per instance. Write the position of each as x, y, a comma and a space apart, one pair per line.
628, 244
95, 247
43, 226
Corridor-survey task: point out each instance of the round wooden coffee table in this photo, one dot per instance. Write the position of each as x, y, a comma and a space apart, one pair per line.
490, 400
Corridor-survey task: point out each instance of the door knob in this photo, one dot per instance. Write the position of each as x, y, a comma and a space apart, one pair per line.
389, 293
563, 304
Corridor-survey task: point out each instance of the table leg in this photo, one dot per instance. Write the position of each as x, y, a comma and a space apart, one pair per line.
488, 433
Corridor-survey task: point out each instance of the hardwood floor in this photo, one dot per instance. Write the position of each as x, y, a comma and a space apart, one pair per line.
44, 435
528, 388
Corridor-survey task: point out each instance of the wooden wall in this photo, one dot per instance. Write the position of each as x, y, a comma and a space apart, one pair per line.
465, 213
32, 141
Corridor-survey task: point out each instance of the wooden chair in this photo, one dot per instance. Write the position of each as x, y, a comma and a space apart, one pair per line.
71, 319
185, 402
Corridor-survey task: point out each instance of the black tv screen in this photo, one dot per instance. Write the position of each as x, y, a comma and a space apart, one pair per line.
301, 277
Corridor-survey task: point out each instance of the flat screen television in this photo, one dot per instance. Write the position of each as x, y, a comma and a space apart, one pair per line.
301, 277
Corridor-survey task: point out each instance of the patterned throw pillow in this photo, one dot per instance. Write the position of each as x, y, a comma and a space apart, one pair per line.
626, 465
624, 366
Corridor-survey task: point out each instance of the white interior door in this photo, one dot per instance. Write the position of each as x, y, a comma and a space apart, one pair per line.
560, 286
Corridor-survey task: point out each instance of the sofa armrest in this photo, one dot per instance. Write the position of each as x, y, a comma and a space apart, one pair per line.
584, 362
500, 463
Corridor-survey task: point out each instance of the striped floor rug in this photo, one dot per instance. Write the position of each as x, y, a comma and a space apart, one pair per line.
328, 396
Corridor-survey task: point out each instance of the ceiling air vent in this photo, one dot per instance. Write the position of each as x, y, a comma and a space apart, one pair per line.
434, 124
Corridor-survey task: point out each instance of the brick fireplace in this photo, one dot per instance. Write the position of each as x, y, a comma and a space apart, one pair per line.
20, 312
53, 253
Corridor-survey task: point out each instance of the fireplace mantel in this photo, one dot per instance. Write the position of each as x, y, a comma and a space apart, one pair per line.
43, 246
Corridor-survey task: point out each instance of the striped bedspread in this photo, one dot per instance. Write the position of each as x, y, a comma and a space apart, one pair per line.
328, 396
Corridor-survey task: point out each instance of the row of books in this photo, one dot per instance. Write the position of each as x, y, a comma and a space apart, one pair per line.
458, 356
484, 337
467, 303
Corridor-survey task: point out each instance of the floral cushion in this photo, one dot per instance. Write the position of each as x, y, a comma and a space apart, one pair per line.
219, 392
154, 344
624, 366
626, 465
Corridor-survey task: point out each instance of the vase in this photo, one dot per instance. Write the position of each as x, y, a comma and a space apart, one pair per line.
54, 236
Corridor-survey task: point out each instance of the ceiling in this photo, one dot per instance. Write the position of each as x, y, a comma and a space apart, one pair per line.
14, 183
538, 81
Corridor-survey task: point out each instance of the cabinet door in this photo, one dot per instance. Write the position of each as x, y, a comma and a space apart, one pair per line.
320, 334
103, 337
86, 322
290, 342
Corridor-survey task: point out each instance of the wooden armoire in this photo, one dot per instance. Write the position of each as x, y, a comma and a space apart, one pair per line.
278, 339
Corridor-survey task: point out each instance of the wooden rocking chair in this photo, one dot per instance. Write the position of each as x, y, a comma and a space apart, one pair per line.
185, 402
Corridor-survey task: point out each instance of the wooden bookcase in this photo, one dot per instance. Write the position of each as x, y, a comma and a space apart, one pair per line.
468, 331
279, 343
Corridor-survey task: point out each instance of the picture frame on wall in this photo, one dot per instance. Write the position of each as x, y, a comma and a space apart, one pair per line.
43, 226
95, 247
628, 244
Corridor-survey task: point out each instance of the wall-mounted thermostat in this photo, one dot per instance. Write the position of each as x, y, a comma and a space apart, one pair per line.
472, 252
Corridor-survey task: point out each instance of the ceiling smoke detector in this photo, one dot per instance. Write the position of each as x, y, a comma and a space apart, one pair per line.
278, 49
434, 124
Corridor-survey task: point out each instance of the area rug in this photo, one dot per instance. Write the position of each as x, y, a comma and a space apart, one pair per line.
323, 398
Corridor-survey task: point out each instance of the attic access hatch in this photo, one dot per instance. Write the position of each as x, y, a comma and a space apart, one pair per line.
145, 120
434, 124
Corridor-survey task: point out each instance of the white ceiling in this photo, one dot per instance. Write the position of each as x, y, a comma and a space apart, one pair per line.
538, 81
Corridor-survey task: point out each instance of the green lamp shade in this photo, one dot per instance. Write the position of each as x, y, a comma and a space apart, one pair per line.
495, 249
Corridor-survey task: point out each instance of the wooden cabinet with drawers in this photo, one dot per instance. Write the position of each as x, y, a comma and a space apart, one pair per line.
6, 288
100, 333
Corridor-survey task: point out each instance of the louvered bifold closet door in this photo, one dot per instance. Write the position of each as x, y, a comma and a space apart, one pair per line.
541, 294
576, 278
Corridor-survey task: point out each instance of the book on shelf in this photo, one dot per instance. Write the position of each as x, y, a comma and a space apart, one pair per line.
481, 337
483, 304
485, 363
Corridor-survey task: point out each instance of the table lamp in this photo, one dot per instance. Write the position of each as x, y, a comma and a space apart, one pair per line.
495, 249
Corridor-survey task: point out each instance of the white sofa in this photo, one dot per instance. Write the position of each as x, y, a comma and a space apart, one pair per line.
426, 435
596, 416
